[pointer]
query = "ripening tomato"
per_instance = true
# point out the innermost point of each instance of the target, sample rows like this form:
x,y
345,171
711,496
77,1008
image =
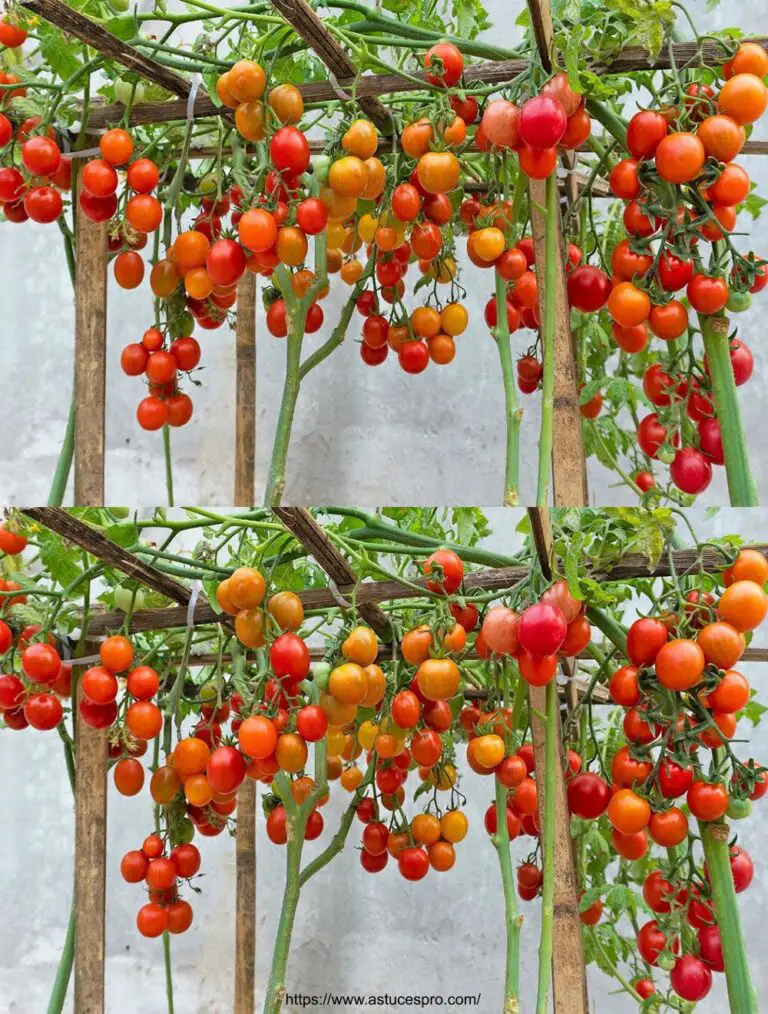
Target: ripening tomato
x,y
500,123
289,150
588,288
691,979
679,157
628,305
538,164
707,800
543,122
623,181
588,795
449,571
645,639
628,812
668,828
722,137
668,321
645,132
743,605
448,64
744,98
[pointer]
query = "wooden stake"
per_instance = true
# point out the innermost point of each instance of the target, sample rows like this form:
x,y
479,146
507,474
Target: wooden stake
x,y
90,863
569,467
313,537
90,359
245,392
245,899
568,970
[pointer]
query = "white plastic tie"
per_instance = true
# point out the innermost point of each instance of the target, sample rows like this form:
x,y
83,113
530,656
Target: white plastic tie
x,y
195,590
195,81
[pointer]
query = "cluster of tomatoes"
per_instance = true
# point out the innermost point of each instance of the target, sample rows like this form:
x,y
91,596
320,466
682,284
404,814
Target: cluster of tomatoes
x,y
196,284
33,178
681,693
682,188
165,912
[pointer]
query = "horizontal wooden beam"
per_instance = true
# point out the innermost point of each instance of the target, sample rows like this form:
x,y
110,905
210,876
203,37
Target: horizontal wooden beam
x,y
499,72
634,565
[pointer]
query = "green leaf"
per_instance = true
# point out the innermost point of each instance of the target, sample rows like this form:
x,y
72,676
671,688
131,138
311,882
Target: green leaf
x,y
58,557
57,51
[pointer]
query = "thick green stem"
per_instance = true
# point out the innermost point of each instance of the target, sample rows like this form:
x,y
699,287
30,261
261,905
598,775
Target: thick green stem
x,y
168,463
548,341
168,971
612,122
741,485
612,629
548,887
512,919
276,986
291,386
64,971
513,415
64,463
741,993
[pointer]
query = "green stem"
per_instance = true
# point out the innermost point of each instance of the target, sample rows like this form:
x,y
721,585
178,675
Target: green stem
x,y
64,463
741,485
612,122
168,463
741,993
276,986
548,887
548,341
512,919
296,313
64,971
168,970
512,413
612,629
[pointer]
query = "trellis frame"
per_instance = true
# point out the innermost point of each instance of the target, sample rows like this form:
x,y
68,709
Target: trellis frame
x,y
569,981
568,463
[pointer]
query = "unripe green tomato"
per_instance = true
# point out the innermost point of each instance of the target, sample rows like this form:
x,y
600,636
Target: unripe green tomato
x,y
321,672
123,597
183,325
738,809
738,302
666,455
666,962
177,808
209,183
124,89
183,832
321,165
120,6
120,512
208,691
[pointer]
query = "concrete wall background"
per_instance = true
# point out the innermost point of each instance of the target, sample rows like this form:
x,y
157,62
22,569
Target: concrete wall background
x,y
354,933
360,433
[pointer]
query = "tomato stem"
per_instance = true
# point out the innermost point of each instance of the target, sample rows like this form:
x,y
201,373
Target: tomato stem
x,y
64,463
168,463
512,919
741,486
741,992
548,838
548,340
513,413
64,970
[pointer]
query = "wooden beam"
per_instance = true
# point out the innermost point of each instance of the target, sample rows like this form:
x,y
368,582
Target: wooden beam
x,y
569,977
633,565
245,899
569,465
90,539
492,72
245,391
310,27
73,23
90,859
313,537
90,385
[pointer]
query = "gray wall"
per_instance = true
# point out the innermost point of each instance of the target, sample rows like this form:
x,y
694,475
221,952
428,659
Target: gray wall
x,y
353,933
360,433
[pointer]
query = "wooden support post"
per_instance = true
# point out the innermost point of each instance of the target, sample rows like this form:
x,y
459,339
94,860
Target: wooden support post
x,y
90,359
90,861
310,27
245,899
245,391
568,969
569,467
310,534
